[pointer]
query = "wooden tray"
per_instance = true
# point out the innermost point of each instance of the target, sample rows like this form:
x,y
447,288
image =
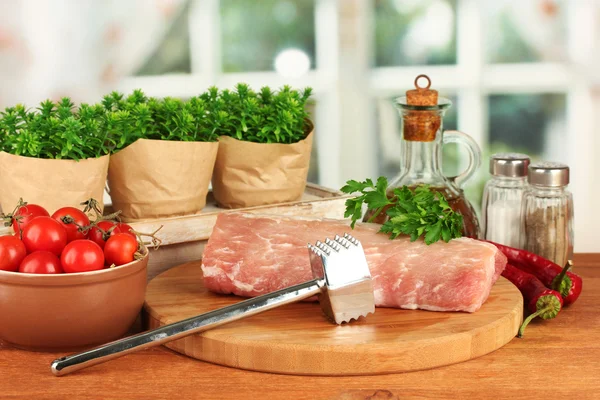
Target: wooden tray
x,y
317,201
297,339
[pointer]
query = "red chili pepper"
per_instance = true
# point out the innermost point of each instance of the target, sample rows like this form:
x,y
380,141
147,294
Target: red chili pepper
x,y
541,301
552,275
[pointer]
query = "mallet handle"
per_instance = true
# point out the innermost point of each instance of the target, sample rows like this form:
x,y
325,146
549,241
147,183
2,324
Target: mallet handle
x,y
178,330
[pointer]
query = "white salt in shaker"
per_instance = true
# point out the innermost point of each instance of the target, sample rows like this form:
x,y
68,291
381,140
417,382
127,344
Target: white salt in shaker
x,y
548,212
503,197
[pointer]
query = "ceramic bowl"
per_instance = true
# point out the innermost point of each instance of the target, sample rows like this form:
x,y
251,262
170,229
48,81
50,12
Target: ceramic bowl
x,y
70,311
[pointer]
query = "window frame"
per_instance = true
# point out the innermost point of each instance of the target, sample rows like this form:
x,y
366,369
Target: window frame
x,y
345,85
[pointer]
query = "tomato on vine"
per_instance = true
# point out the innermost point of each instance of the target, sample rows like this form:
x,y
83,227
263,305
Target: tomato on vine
x,y
100,233
26,213
82,256
105,229
73,220
41,262
122,227
44,234
12,252
120,249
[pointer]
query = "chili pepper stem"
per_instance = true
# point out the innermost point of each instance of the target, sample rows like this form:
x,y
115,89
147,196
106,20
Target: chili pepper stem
x,y
547,307
562,283
530,318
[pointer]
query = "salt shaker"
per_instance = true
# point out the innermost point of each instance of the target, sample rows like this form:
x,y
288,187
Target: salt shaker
x,y
502,199
547,213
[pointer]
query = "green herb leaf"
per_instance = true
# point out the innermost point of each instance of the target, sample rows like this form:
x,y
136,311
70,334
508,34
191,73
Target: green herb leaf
x,y
433,232
61,130
373,195
413,213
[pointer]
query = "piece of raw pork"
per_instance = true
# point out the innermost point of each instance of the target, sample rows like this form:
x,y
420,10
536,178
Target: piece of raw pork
x,y
250,255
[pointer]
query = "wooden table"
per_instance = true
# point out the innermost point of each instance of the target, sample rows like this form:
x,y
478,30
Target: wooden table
x,y
555,359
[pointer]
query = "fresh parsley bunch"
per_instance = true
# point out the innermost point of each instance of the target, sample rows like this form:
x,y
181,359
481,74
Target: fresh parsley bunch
x,y
54,131
418,213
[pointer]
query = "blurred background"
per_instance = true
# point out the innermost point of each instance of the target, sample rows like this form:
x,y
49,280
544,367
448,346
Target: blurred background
x,y
523,75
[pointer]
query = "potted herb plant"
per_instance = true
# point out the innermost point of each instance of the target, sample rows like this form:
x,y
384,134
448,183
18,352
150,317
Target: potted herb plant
x,y
54,156
166,157
264,146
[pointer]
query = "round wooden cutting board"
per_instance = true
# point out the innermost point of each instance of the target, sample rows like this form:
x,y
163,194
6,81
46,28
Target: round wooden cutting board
x,y
297,339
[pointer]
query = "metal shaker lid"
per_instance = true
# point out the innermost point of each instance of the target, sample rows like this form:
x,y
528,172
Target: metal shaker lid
x,y
551,174
512,165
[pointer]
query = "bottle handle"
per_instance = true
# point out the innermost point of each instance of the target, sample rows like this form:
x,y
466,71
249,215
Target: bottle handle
x,y
474,155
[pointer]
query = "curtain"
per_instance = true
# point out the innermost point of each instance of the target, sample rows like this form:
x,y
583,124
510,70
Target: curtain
x,y
76,48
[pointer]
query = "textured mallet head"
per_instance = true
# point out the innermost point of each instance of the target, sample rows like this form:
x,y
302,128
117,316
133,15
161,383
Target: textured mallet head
x,y
348,292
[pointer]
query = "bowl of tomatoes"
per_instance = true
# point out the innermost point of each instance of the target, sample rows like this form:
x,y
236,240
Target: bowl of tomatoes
x,y
67,280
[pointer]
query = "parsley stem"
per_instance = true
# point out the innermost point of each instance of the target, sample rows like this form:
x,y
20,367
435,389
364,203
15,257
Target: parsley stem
x,y
379,210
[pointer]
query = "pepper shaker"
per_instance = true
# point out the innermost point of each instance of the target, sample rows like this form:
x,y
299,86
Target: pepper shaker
x,y
503,197
547,213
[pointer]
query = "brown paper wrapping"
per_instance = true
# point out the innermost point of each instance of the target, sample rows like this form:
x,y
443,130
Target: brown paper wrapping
x,y
50,183
250,174
161,178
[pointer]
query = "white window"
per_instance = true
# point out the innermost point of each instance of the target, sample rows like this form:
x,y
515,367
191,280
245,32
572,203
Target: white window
x,y
521,75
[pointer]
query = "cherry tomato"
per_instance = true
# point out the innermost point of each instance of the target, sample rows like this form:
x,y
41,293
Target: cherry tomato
x,y
41,262
110,228
120,249
25,214
97,236
81,256
12,252
72,219
44,234
123,228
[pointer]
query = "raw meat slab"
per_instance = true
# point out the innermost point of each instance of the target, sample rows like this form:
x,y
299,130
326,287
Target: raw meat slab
x,y
250,255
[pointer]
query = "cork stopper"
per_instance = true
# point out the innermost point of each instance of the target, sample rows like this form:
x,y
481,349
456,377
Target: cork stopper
x,y
422,96
421,125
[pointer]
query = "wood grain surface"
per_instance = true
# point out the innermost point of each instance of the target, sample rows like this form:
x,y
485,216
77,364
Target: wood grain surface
x,y
297,339
558,359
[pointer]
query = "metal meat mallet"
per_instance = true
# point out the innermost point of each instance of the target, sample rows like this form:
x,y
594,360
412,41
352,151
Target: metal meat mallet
x,y
341,279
